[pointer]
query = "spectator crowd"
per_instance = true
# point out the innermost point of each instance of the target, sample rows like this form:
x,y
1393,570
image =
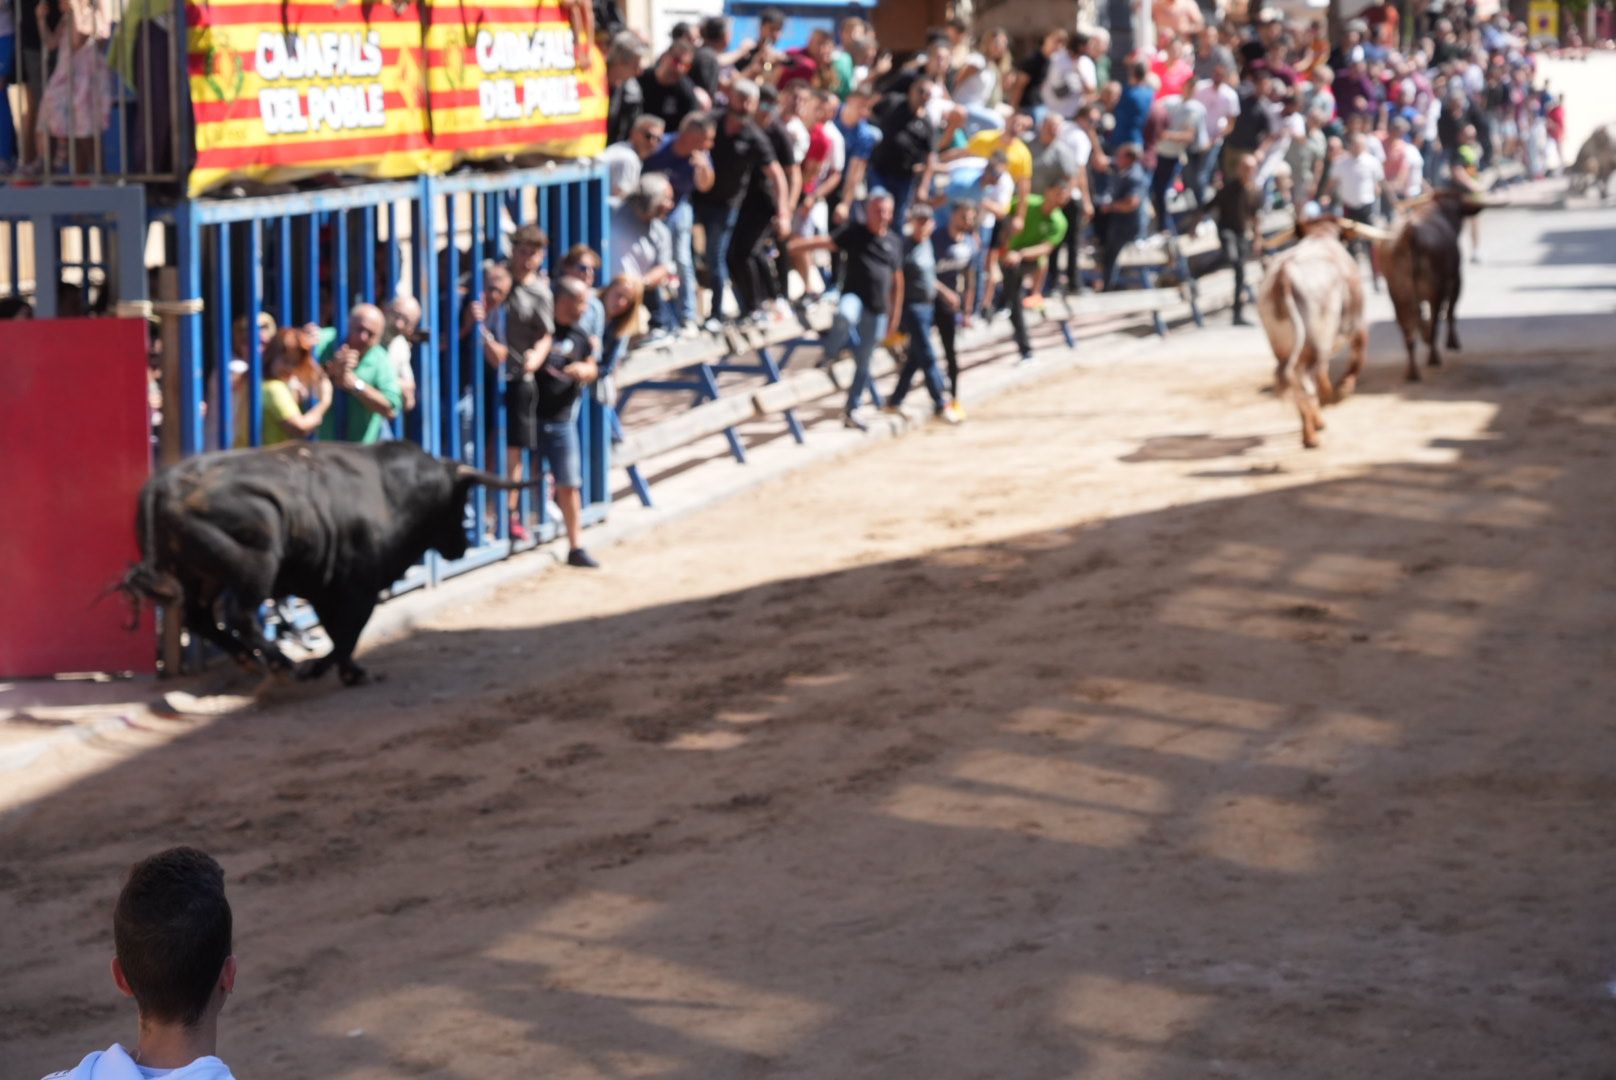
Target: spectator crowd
x,y
973,177
915,196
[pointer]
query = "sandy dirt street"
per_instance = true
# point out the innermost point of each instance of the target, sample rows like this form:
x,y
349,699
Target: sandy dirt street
x,y
1108,735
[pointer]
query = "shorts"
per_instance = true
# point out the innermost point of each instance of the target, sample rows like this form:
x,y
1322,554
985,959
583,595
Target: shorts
x,y
31,66
1363,215
996,238
558,444
522,414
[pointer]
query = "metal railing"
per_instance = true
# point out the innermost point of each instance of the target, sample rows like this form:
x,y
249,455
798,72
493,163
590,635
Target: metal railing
x,y
98,92
308,257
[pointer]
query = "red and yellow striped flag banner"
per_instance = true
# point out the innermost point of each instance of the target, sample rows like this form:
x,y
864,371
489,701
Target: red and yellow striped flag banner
x,y
504,81
287,89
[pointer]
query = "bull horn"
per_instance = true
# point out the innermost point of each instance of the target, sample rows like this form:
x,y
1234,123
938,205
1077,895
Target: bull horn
x,y
1368,232
1428,195
465,474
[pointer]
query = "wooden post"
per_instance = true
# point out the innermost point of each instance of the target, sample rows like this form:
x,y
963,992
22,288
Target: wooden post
x,y
168,436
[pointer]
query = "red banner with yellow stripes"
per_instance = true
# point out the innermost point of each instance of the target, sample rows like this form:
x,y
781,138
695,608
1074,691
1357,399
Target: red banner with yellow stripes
x,y
286,89
509,78
282,90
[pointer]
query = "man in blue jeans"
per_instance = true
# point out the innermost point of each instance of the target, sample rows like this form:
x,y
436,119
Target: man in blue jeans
x,y
569,367
684,160
871,291
925,302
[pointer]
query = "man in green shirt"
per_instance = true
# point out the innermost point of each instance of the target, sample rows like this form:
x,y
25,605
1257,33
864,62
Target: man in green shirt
x,y
1042,228
361,371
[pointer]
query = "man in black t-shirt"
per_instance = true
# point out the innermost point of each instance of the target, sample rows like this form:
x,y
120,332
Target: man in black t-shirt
x,y
1236,208
871,292
667,88
1255,128
907,143
567,369
742,155
625,63
704,68
764,215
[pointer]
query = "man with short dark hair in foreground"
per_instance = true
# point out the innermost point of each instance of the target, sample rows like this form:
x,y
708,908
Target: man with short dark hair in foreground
x,y
171,934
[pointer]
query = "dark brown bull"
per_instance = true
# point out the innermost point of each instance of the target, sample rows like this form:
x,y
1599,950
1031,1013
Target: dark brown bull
x,y
1596,162
1422,268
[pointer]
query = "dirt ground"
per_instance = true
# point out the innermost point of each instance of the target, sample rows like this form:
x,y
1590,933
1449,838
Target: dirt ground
x,y
1108,735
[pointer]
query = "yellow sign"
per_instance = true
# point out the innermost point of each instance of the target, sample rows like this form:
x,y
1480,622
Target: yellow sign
x,y
509,78
1543,17
282,91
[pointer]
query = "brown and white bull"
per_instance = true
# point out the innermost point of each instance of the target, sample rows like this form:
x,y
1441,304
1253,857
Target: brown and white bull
x,y
1596,162
1312,304
1422,268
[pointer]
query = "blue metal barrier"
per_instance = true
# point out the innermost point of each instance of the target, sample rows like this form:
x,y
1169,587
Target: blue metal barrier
x,y
309,257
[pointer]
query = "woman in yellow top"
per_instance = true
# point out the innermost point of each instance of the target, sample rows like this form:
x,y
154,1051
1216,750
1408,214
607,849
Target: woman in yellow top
x,y
288,367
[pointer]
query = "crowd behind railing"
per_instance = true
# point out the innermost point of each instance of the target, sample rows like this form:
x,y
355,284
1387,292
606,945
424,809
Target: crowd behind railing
x,y
748,180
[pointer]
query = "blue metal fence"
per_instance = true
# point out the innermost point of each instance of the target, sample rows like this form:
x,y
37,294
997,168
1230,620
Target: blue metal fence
x,y
308,257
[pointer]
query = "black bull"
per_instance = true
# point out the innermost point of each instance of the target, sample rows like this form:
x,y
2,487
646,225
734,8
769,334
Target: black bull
x,y
333,523
1423,272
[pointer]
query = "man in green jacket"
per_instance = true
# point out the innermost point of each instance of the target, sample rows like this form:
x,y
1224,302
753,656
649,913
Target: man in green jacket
x,y
361,371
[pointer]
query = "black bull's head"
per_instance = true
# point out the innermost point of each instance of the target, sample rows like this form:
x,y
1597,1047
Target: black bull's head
x,y
448,535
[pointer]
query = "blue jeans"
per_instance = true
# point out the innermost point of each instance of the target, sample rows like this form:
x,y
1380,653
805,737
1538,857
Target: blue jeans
x,y
899,187
1161,183
717,223
871,328
981,118
682,221
8,70
922,357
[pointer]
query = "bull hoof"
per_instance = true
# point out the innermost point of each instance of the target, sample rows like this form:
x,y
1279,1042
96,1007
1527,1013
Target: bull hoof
x,y
1435,361
1348,385
1412,375
1453,345
353,675
309,670
1309,444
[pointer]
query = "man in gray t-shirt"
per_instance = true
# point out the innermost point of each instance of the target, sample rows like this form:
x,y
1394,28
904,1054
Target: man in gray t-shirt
x,y
530,309
529,326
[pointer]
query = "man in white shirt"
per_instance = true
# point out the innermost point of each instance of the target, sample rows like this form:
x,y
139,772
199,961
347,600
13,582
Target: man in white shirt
x,y
1355,180
1217,96
1064,89
403,316
623,160
1186,129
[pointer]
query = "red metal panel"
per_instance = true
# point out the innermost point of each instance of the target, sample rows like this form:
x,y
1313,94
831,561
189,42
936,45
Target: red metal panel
x,y
74,450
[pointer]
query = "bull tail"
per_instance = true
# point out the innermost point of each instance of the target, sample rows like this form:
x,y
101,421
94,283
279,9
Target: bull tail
x,y
1291,377
145,580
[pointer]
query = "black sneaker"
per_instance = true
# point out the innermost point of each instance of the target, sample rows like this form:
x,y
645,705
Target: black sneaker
x,y
580,557
1239,320
853,420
